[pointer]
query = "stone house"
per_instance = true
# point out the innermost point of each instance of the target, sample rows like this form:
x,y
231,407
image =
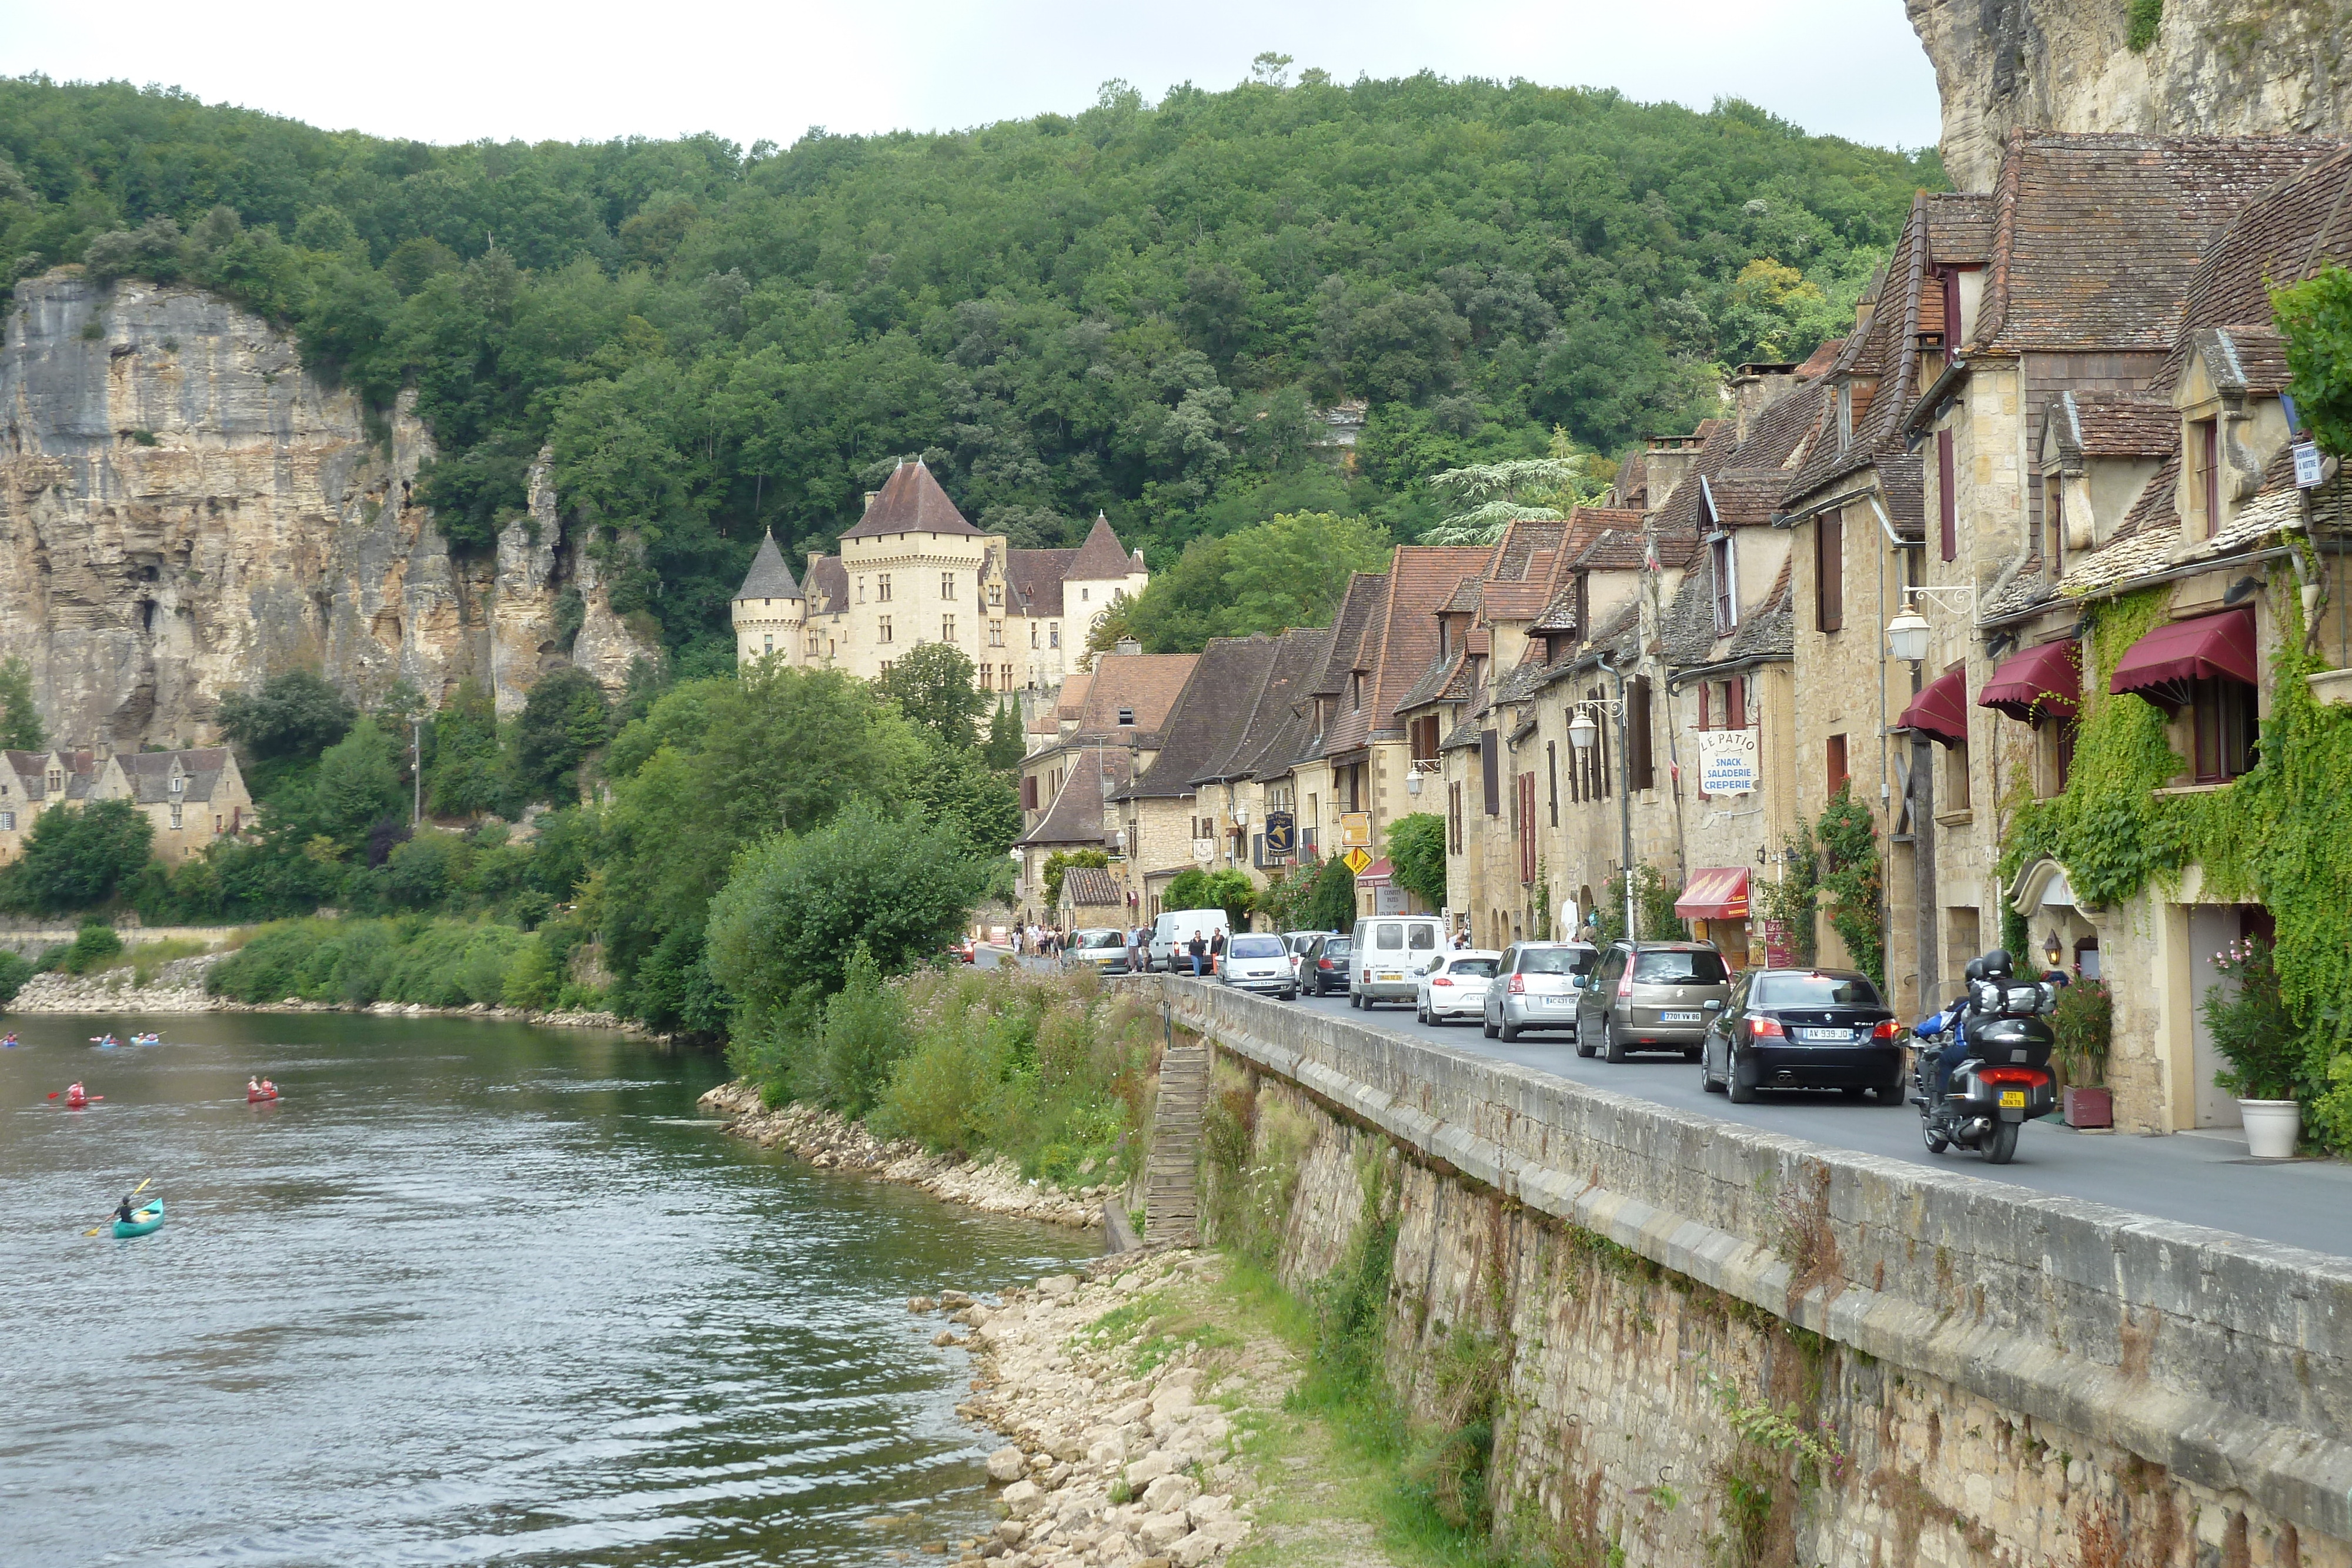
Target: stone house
x,y
1238,793
1076,817
1092,899
912,570
192,798
2179,490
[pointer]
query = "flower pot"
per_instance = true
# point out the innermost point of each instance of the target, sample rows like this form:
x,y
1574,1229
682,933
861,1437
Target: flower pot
x,y
2271,1128
2090,1108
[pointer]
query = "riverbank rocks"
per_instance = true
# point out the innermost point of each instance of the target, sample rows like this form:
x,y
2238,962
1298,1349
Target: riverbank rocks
x,y
1092,1421
830,1142
175,987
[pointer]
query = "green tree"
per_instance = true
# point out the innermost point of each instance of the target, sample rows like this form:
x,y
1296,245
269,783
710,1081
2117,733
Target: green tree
x,y
20,718
1006,745
1228,889
79,859
957,788
564,720
1331,905
933,686
1061,862
296,714
1416,845
2316,317
357,785
1292,570
464,772
797,907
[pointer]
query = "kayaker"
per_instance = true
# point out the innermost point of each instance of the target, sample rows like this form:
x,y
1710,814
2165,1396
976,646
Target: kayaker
x,y
252,1087
123,1214
268,1090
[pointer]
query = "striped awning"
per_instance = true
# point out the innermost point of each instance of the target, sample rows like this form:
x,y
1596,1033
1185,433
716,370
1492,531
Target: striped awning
x,y
1715,892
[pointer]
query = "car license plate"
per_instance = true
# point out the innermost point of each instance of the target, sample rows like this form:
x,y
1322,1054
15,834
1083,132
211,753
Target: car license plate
x,y
1559,1001
1678,1017
2013,1099
1839,1035
1391,974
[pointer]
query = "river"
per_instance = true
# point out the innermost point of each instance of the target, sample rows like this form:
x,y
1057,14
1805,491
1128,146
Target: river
x,y
470,1292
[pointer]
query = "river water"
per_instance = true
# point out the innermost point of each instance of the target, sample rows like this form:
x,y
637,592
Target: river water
x,y
470,1292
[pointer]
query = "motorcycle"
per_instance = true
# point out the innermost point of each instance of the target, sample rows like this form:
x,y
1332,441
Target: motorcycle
x,y
2004,1080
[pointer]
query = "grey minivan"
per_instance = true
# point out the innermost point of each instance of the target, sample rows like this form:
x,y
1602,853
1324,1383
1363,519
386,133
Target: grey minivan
x,y
1535,987
1651,995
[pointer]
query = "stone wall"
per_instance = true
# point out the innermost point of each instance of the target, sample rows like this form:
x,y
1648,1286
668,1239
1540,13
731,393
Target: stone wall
x,y
185,509
1706,1344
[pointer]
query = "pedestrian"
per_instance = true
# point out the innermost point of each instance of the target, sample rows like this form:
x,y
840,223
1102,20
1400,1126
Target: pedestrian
x,y
1216,950
1197,949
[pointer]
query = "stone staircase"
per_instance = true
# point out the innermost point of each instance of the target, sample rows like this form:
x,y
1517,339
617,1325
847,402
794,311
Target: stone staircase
x,y
1171,1191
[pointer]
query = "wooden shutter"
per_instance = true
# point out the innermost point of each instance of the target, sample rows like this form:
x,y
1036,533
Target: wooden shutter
x,y
1489,764
1638,721
1551,778
1734,702
1828,570
1029,792
1836,771
1527,829
1947,505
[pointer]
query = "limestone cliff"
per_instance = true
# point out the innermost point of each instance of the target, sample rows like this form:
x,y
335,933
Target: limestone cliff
x,y
186,510
2216,67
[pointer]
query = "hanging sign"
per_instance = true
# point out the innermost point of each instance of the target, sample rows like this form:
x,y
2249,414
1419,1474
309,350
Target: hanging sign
x,y
1355,830
1727,761
2306,465
1281,834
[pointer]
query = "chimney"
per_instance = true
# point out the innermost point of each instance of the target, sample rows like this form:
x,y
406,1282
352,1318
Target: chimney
x,y
1667,463
1753,387
869,500
100,753
1127,645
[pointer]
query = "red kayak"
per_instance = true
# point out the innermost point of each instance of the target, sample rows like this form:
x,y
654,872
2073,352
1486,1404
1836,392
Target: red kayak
x,y
76,1101
252,1098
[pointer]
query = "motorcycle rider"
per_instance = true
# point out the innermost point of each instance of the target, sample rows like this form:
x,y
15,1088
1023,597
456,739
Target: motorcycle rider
x,y
1994,968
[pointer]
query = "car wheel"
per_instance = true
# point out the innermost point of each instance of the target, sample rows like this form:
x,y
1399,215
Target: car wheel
x,y
1584,1046
1485,1025
1706,1082
1856,1093
1355,1000
1891,1093
1612,1048
1420,1013
1742,1087
1506,1030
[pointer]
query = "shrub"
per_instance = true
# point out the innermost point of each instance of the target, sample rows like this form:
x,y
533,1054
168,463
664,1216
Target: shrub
x,y
2254,1027
74,860
2084,1023
15,971
93,944
531,977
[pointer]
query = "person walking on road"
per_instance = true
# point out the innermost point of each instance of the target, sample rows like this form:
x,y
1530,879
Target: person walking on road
x,y
1197,949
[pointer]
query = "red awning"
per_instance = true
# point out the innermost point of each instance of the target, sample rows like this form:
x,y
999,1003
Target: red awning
x,y
2036,683
2160,666
1715,892
1941,709
1379,873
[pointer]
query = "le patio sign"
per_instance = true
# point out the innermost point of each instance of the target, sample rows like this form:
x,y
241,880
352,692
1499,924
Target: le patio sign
x,y
1727,761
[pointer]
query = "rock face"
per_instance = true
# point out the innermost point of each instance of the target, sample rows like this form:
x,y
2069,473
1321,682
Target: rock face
x,y
184,510
2217,67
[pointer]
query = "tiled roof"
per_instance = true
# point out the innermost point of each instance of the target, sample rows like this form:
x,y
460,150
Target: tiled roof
x,y
1516,601
31,770
1102,559
1035,577
2151,548
2154,509
1820,362
2108,424
2098,239
911,502
1075,816
2303,222
828,585
1686,632
1514,553
1091,887
1770,631
1903,490
1072,699
1444,672
1960,224
1420,579
1146,685
1208,717
2242,359
1367,591
149,773
1271,735
769,578
1464,599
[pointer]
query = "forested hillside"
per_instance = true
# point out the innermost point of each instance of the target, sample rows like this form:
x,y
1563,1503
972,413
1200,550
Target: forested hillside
x,y
1137,309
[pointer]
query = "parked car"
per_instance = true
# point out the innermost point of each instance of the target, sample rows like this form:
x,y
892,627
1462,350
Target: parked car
x,y
1323,968
1173,930
1255,962
1388,949
1298,941
1536,986
962,950
1651,996
1802,1028
1105,949
1453,984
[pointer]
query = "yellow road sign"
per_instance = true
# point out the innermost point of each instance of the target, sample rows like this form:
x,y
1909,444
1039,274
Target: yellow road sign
x,y
1355,860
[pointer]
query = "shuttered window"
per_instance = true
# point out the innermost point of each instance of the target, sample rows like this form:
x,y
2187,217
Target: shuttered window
x,y
1829,571
1029,793
1734,703
1527,829
1489,770
1947,505
1836,760
1640,755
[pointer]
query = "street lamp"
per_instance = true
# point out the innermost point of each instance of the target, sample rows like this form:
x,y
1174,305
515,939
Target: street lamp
x,y
1413,779
1581,730
1907,634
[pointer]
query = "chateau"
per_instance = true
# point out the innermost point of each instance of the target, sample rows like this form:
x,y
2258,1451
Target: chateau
x,y
914,571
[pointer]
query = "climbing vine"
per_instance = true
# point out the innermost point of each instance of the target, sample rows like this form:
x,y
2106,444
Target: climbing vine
x,y
2281,834
1850,875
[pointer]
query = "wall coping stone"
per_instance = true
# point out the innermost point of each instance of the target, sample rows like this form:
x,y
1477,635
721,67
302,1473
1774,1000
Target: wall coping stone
x,y
2225,1359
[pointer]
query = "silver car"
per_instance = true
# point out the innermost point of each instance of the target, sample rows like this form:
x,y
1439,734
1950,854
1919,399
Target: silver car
x,y
1536,986
1259,963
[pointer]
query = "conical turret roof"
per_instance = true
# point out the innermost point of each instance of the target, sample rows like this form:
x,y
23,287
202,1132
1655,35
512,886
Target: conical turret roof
x,y
911,502
769,578
1102,559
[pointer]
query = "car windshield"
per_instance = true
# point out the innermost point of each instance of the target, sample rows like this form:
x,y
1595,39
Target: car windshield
x,y
1815,991
1338,947
1102,940
1471,966
1692,967
1256,947
1554,961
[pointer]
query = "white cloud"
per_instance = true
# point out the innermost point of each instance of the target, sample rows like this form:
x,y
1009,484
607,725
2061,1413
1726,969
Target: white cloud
x,y
440,70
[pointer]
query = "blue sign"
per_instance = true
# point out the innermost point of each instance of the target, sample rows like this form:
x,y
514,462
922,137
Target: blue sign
x,y
1281,834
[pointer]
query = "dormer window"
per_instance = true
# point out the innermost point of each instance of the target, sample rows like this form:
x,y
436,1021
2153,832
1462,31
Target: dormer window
x,y
1845,414
179,785
1127,717
1355,689
2204,466
56,780
1726,584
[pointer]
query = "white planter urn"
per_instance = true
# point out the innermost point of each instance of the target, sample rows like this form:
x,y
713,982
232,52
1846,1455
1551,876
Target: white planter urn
x,y
2271,1128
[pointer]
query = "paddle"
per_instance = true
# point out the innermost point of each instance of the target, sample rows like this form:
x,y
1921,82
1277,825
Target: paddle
x,y
55,1093
134,1192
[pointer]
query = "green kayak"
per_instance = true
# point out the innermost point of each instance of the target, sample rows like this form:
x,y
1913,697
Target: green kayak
x,y
147,1219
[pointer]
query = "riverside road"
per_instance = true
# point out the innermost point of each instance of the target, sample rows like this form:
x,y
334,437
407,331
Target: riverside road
x,y
2200,1178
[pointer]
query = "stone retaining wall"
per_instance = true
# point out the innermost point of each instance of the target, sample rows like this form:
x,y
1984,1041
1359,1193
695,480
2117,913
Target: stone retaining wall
x,y
2009,1378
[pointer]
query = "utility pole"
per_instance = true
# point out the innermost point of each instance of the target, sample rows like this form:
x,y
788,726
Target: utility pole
x,y
1625,803
417,768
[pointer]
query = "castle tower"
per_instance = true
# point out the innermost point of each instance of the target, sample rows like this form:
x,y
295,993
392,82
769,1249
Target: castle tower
x,y
769,610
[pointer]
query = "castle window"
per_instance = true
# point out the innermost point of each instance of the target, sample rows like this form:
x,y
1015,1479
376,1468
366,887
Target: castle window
x,y
177,809
996,634
947,585
947,628
881,588
1053,635
987,676
996,593
771,643
7,821
1085,593
885,636
179,785
1033,634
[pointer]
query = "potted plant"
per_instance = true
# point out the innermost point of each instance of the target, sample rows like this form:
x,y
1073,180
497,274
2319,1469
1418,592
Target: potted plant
x,y
2084,1023
2252,1028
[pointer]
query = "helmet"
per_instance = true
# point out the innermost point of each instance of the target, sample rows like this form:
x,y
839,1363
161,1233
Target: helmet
x,y
1997,964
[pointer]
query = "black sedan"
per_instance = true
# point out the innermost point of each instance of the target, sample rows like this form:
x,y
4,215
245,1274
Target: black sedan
x,y
1323,968
1802,1028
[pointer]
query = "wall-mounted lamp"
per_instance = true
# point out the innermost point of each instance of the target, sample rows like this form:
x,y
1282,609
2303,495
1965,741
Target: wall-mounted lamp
x,y
2052,949
1907,634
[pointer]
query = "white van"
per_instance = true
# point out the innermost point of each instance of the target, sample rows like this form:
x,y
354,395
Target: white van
x,y
1174,929
1390,951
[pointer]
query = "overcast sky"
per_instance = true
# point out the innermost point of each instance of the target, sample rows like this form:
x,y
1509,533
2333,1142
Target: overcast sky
x,y
455,70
